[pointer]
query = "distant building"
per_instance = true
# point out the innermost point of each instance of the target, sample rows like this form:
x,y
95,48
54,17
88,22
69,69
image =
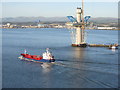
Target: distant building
x,y
107,28
8,24
42,25
70,23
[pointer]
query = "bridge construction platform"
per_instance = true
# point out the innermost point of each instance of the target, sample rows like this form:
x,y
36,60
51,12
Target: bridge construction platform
x,y
102,45
94,45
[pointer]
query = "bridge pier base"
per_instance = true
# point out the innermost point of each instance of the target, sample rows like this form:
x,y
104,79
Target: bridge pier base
x,y
79,45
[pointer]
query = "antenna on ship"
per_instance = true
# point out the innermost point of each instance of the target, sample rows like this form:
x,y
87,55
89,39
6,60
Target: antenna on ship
x,y
25,52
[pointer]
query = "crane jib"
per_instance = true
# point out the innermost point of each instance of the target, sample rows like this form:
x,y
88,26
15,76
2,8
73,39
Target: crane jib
x,y
72,19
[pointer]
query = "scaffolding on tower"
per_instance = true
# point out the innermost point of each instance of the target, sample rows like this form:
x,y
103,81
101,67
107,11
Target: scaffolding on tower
x,y
78,35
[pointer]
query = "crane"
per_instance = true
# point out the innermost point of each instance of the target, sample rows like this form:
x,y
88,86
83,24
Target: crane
x,y
73,20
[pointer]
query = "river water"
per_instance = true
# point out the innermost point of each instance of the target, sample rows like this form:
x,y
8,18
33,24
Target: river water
x,y
75,67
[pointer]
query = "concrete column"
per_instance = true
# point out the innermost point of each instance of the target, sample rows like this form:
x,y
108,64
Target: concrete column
x,y
78,35
79,11
78,29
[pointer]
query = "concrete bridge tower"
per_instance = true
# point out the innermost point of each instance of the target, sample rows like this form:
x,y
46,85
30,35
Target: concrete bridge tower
x,y
78,28
79,37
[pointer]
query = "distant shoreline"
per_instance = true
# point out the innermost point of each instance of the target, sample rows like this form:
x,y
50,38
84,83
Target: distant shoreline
x,y
62,28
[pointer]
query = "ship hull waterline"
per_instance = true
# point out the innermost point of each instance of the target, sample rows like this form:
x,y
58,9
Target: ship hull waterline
x,y
39,61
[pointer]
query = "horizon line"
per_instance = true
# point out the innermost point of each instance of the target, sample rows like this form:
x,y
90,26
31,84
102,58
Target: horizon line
x,y
54,16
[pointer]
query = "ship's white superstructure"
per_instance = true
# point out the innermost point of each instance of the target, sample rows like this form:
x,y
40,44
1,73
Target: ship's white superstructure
x,y
47,55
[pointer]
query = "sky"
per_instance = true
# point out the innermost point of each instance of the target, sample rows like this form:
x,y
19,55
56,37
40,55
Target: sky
x,y
58,9
59,0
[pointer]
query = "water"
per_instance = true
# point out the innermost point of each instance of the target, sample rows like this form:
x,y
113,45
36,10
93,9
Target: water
x,y
75,67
